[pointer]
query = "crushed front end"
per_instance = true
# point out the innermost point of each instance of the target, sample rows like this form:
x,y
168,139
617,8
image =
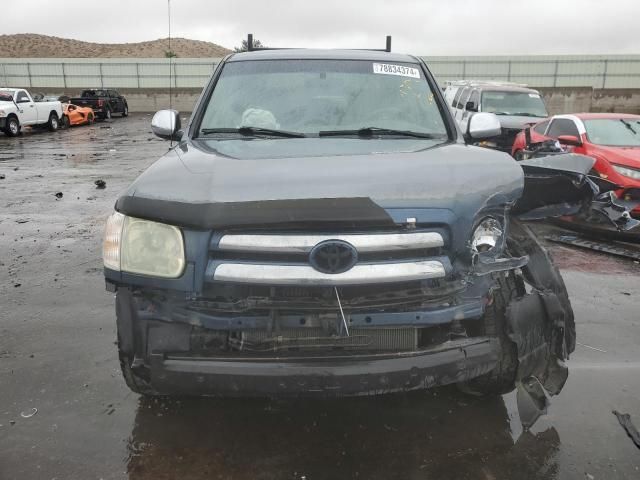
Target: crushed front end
x,y
273,313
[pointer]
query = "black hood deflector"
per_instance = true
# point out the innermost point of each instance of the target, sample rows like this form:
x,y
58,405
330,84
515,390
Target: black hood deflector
x,y
339,212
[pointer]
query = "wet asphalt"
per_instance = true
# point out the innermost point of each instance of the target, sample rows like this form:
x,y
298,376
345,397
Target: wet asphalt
x,y
57,355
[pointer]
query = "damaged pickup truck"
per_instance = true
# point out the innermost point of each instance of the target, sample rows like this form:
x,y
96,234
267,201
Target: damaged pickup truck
x,y
322,227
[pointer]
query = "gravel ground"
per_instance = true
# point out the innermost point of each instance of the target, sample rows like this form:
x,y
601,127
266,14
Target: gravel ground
x,y
57,354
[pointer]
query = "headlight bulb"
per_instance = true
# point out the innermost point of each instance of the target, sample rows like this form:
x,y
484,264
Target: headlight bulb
x,y
486,236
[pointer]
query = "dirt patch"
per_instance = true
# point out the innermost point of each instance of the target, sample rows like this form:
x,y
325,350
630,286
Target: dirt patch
x,y
30,45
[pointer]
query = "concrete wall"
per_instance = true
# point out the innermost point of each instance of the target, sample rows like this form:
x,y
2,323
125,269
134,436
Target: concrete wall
x,y
585,99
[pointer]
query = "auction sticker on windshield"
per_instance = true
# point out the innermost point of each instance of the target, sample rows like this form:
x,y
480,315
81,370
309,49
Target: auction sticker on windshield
x,y
401,70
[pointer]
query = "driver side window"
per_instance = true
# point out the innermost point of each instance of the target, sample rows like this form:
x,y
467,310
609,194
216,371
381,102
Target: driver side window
x,y
22,97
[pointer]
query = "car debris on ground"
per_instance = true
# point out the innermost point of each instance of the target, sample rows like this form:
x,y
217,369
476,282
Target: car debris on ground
x,y
629,427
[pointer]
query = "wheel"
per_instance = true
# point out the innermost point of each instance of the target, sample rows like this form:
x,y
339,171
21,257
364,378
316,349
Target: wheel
x,y
12,128
518,155
66,123
134,380
90,119
502,378
107,114
125,112
53,123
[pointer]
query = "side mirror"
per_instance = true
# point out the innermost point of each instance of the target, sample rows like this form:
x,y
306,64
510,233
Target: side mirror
x,y
166,125
570,140
483,125
471,107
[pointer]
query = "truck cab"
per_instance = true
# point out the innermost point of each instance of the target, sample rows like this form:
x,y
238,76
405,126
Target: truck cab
x,y
515,105
18,109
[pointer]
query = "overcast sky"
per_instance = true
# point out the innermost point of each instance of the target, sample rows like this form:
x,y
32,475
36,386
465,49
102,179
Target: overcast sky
x,y
423,27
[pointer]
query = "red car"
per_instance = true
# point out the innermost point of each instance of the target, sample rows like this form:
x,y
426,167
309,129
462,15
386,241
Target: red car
x,y
613,139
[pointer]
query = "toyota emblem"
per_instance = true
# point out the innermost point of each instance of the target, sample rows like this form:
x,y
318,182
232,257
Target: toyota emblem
x,y
333,256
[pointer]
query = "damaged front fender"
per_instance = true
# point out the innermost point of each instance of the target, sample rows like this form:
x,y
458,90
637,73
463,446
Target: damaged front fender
x,y
541,325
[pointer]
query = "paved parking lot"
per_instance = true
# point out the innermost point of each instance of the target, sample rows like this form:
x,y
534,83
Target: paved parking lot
x,y
57,355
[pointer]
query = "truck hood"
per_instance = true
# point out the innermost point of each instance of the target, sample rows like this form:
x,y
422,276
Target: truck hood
x,y
196,185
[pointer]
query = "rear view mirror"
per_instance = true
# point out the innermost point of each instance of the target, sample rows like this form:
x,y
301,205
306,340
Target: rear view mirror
x,y
166,125
570,140
482,126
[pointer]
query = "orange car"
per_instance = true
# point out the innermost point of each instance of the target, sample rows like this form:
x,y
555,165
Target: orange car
x,y
76,115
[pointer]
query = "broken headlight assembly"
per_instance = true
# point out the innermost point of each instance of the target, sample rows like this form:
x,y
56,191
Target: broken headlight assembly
x,y
487,237
143,247
627,171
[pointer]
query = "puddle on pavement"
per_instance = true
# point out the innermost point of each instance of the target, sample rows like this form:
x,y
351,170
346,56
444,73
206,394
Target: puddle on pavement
x,y
421,435
86,144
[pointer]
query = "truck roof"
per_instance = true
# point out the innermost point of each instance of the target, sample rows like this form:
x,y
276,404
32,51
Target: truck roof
x,y
318,54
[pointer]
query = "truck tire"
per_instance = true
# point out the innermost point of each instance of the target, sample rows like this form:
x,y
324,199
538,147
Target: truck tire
x,y
53,122
12,129
502,378
125,111
90,119
66,123
107,113
134,380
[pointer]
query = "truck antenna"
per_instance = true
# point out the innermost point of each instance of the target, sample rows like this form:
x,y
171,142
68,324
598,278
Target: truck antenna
x,y
170,55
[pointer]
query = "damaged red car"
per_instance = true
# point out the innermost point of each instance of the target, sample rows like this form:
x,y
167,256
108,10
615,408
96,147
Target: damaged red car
x,y
612,139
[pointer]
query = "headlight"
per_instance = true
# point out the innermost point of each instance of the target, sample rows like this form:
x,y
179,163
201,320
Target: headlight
x,y
627,172
112,241
140,246
486,236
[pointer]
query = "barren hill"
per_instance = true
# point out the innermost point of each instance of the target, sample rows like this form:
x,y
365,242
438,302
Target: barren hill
x,y
30,45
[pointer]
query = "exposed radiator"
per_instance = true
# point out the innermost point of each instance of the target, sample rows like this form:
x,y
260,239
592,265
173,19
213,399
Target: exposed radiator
x,y
395,339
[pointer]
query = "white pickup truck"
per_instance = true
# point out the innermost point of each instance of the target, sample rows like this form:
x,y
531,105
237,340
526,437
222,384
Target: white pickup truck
x,y
18,109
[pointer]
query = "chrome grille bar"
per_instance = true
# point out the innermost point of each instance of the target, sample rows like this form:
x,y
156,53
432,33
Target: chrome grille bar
x,y
360,274
300,243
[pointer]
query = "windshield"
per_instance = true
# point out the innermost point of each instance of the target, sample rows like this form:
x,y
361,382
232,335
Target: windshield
x,y
513,103
614,132
313,96
94,93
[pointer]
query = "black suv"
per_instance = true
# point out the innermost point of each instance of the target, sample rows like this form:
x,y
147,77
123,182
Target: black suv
x,y
322,227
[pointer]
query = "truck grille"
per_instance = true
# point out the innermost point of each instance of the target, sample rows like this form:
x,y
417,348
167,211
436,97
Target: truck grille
x,y
287,259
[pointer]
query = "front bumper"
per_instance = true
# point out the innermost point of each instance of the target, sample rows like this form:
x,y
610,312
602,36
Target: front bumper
x,y
453,362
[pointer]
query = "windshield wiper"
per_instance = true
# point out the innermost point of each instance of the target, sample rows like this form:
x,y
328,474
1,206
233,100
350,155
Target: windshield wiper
x,y
373,131
254,131
628,125
518,114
